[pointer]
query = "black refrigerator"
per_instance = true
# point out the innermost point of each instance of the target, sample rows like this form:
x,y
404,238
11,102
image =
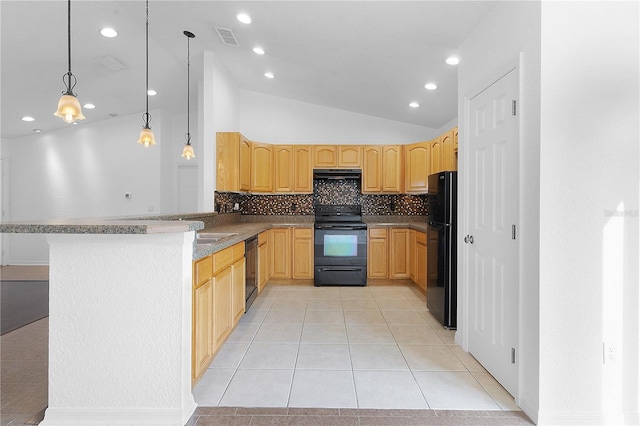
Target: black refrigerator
x,y
441,247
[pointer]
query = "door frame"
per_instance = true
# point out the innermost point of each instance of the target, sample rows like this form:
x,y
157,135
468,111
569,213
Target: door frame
x,y
464,193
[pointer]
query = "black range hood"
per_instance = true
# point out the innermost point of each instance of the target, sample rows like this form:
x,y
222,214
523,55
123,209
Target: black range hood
x,y
337,174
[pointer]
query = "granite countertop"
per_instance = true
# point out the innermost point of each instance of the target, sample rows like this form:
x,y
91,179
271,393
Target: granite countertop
x,y
100,226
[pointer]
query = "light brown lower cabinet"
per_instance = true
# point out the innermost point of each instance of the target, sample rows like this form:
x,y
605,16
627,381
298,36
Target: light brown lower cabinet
x,y
218,303
263,259
397,253
302,253
378,253
420,251
399,260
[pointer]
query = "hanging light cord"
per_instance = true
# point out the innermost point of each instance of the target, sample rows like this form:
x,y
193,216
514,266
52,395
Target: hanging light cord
x,y
68,75
147,117
188,136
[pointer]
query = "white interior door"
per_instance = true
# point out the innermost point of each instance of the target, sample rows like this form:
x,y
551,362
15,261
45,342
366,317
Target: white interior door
x,y
492,214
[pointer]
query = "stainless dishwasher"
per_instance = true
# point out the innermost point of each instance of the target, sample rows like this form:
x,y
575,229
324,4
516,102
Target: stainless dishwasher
x,y
251,271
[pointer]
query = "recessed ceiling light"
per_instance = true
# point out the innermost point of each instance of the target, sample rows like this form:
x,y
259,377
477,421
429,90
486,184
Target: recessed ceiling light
x,y
452,60
27,118
89,106
269,75
414,105
151,92
430,86
244,18
109,32
37,130
259,50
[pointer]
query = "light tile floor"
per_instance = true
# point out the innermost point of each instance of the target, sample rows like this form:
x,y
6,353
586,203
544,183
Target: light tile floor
x,y
346,347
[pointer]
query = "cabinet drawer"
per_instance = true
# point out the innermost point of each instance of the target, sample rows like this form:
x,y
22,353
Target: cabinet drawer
x,y
302,233
222,259
238,250
421,238
378,233
263,237
202,270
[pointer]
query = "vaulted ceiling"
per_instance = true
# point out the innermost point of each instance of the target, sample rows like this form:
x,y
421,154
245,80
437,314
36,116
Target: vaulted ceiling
x,y
368,57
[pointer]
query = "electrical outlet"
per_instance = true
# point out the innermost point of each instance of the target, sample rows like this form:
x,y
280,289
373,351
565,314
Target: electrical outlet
x,y
128,195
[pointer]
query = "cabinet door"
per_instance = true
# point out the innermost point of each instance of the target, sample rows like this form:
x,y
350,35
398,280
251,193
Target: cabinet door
x,y
281,266
421,261
372,170
222,318
303,175
245,164
302,253
436,156
400,266
412,255
284,168
349,156
378,253
263,266
448,151
227,161
202,351
417,167
455,141
392,168
325,156
237,290
262,159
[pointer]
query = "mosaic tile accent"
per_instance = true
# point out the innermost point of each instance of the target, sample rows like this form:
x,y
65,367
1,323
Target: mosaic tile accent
x,y
333,192
394,204
325,192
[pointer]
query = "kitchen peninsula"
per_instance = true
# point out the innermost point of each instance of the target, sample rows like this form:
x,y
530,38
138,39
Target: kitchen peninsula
x,y
119,320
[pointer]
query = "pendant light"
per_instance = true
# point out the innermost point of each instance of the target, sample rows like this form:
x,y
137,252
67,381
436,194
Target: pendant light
x,y
146,135
187,152
68,106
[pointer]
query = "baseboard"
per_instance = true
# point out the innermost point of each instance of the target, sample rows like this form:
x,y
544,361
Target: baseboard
x,y
587,418
117,416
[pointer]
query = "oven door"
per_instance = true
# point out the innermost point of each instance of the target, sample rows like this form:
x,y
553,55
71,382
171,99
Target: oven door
x,y
340,254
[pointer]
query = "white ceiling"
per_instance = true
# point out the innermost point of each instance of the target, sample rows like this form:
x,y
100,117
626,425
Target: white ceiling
x,y
369,57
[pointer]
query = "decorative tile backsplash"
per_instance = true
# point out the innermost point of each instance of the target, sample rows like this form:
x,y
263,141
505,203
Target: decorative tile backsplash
x,y
324,192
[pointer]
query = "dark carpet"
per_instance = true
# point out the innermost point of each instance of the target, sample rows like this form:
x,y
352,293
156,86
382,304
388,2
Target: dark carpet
x,y
22,302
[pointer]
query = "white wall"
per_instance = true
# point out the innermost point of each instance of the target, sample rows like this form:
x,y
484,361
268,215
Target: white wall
x,y
276,120
589,213
509,29
82,171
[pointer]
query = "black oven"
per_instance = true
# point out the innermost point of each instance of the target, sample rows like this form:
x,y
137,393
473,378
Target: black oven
x,y
340,246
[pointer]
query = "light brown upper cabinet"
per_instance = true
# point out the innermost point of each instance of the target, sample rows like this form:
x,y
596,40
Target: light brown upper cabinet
x,y
448,151
417,162
292,171
233,168
303,172
325,156
382,171
337,156
284,168
436,155
349,156
262,162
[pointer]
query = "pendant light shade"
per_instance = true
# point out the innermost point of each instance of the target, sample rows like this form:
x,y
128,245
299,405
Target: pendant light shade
x,y
187,151
146,135
68,106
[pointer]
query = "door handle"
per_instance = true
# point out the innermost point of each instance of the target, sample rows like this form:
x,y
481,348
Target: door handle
x,y
468,239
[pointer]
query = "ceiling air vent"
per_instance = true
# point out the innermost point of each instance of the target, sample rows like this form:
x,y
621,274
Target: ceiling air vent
x,y
227,36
